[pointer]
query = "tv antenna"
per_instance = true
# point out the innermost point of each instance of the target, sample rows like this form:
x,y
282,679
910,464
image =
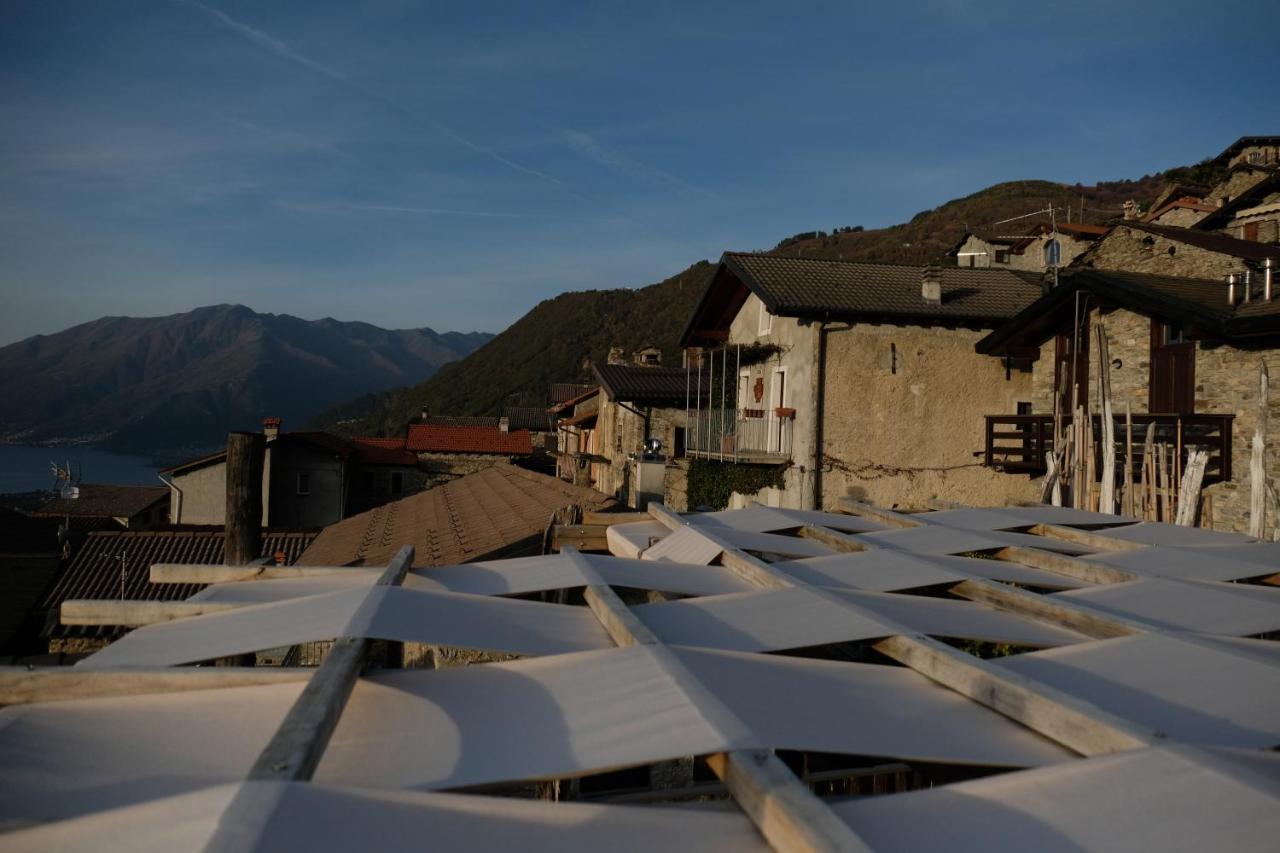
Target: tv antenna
x,y
67,482
1053,229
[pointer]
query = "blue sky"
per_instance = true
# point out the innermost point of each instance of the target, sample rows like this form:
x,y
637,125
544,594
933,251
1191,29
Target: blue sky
x,y
451,164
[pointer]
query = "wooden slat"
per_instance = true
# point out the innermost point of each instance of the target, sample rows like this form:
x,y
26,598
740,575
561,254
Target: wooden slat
x,y
20,685
134,613
295,750
1051,609
195,573
886,517
832,539
584,537
611,518
659,512
753,570
785,811
1082,570
783,808
1074,723
1088,538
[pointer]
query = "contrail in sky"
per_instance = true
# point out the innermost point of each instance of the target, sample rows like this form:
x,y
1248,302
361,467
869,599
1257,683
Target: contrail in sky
x,y
326,207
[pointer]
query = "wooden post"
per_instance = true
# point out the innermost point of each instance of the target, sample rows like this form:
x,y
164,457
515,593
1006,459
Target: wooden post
x,y
1128,508
1258,460
243,537
1189,494
1148,472
1107,493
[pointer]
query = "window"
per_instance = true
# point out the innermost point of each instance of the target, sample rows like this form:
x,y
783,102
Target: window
x,y
766,321
1002,257
1172,334
1249,231
1052,253
397,482
304,484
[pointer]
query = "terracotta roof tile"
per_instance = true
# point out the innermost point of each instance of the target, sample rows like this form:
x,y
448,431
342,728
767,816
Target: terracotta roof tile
x,y
493,512
431,438
382,451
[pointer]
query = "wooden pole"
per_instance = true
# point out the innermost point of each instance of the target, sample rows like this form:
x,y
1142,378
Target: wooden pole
x,y
1258,460
1128,460
1107,492
1148,472
243,536
1189,494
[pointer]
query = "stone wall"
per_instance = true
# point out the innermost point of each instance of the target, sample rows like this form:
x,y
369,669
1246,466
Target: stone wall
x,y
904,417
620,432
1132,250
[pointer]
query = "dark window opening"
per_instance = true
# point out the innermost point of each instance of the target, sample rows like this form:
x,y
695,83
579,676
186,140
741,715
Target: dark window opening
x,y
304,484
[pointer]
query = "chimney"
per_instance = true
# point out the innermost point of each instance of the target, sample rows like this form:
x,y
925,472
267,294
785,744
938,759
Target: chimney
x,y
504,424
1130,209
617,355
931,285
1267,266
426,414
1231,288
271,428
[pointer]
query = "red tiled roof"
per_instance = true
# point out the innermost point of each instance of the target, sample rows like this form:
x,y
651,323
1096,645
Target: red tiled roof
x,y
430,438
382,451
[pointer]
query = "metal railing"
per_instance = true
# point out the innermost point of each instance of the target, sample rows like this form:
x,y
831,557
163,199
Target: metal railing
x,y
739,435
1018,443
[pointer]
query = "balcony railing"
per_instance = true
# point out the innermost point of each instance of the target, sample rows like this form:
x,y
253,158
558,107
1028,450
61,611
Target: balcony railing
x,y
1018,443
740,435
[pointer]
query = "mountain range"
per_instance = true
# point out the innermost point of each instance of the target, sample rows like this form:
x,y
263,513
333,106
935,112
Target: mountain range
x,y
175,385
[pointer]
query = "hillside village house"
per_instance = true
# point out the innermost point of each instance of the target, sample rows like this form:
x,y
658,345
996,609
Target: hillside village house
x,y
448,447
863,377
309,479
1184,353
1034,250
577,446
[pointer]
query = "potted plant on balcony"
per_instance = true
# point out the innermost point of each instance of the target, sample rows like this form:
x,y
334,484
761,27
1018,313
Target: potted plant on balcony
x,y
784,411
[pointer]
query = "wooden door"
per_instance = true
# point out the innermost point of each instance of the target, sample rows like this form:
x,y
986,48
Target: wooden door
x,y
1173,370
1065,372
778,399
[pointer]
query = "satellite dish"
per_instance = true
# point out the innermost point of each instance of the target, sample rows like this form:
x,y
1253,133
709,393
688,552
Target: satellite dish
x,y
69,492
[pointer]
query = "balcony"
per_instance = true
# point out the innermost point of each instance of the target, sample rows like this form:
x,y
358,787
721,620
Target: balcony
x,y
753,436
1018,443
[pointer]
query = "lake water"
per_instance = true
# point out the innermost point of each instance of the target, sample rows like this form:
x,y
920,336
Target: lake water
x,y
25,469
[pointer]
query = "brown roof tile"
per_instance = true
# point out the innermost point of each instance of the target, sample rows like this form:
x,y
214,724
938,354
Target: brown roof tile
x,y
106,501
635,383
475,517
430,438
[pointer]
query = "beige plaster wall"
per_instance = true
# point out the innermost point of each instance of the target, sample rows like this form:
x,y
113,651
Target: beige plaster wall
x,y
900,430
204,496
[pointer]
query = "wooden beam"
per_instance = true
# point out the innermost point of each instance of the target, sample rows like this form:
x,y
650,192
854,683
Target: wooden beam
x,y
1044,608
134,613
1258,458
1061,564
242,536
659,512
20,685
754,571
1088,538
295,750
832,539
584,537
204,574
611,518
887,517
783,808
1074,723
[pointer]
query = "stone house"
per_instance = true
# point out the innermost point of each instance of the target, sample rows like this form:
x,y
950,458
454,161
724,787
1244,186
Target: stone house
x,y
860,378
1253,214
1166,250
1181,355
309,479
577,445
1034,250
451,447
106,506
1253,151
639,402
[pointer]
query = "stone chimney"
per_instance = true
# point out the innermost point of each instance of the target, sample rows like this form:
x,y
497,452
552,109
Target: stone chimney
x,y
504,424
271,428
617,355
426,414
931,285
1130,209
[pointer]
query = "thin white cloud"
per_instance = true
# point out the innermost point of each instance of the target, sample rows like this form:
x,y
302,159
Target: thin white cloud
x,y
592,149
282,50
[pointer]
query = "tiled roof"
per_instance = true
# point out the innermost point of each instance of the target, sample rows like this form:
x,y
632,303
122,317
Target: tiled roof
x,y
23,534
1186,202
629,382
95,572
533,418
1245,250
382,451
481,515
564,391
106,501
800,287
429,438
1197,303
460,421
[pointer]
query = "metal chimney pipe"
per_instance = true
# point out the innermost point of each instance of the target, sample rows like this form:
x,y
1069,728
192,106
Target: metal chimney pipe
x,y
1246,278
1267,266
1231,289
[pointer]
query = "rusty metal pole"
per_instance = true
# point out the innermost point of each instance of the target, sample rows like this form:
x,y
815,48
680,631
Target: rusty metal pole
x,y
243,537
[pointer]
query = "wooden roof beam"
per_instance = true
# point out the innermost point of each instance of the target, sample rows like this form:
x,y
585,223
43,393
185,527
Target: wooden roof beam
x,y
20,685
887,517
132,614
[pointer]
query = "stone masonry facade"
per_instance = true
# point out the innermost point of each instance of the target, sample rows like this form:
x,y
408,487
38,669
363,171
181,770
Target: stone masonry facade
x,y
1132,250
